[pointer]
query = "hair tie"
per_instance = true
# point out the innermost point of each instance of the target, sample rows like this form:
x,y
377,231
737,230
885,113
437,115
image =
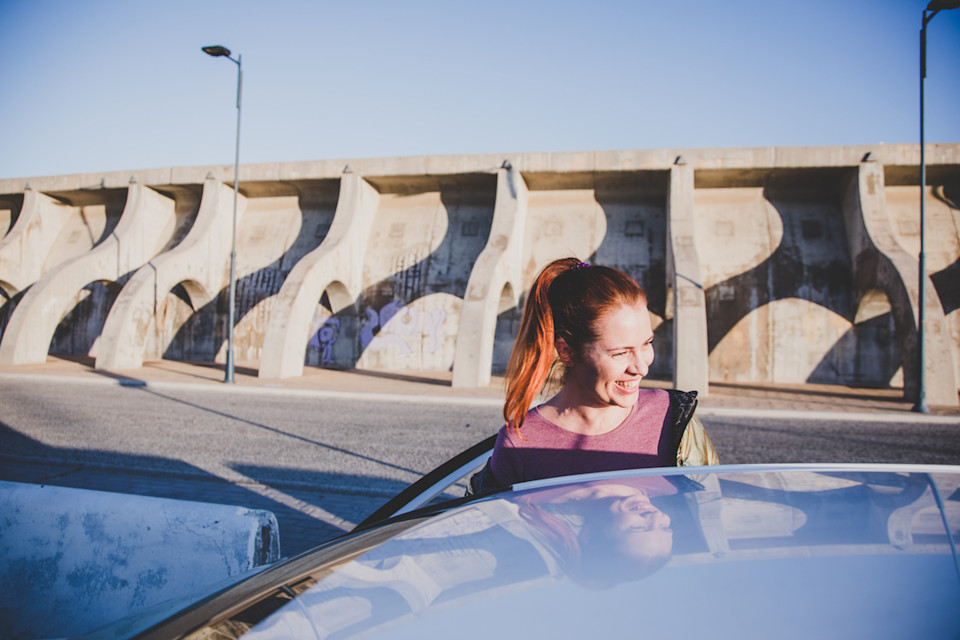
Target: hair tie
x,y
580,265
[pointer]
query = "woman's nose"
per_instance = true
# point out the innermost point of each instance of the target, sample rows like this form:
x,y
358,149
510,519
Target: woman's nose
x,y
639,365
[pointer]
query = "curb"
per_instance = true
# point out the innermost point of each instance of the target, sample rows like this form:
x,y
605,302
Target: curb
x,y
366,396
827,416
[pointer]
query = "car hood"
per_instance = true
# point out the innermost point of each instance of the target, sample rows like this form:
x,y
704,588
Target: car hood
x,y
728,552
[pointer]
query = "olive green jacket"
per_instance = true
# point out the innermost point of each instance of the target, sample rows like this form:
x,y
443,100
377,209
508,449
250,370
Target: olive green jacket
x,y
693,445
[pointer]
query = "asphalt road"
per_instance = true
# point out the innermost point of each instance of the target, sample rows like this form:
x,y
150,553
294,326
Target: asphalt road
x,y
322,464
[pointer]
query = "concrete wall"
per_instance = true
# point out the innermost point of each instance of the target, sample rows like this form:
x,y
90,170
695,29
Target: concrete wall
x,y
778,280
765,265
79,559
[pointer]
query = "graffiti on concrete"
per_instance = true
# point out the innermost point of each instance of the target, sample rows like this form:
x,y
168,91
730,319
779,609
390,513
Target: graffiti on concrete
x,y
399,325
324,338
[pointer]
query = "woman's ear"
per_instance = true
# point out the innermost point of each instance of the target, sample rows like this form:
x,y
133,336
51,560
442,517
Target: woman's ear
x,y
564,352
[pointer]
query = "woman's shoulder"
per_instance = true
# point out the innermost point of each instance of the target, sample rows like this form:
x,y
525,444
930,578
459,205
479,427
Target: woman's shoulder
x,y
534,429
678,402
651,403
653,394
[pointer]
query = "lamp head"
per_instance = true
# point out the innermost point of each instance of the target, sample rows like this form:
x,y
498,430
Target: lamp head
x,y
216,51
939,5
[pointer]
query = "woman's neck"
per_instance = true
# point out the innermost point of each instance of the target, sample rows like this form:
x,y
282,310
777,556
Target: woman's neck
x,y
571,412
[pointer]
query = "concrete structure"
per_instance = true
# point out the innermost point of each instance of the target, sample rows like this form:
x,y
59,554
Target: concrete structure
x,y
772,265
80,559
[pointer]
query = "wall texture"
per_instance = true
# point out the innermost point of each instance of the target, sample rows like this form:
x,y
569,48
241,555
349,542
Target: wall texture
x,y
762,265
78,560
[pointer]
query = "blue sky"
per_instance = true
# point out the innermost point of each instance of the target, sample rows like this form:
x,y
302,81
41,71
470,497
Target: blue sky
x,y
120,85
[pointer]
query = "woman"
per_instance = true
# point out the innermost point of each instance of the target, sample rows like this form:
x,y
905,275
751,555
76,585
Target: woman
x,y
594,321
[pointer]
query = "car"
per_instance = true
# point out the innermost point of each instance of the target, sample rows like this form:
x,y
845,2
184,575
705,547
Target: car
x,y
738,551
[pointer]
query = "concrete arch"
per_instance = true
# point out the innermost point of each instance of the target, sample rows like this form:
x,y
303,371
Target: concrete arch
x,y
198,263
89,310
494,283
198,293
24,250
873,302
880,262
145,227
865,352
339,296
508,297
8,302
336,266
792,336
334,315
137,311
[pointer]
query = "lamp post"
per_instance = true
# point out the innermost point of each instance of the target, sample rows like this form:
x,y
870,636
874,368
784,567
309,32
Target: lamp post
x,y
932,9
218,51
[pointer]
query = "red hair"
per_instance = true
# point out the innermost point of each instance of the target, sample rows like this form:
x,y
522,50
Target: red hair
x,y
564,302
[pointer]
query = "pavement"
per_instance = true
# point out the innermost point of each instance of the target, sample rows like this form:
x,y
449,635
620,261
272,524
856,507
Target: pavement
x,y
813,400
306,515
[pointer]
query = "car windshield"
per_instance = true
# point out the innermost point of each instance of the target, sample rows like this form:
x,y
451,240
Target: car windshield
x,y
794,553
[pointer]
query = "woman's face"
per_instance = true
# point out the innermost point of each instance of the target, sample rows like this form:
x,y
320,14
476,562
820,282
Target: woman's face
x,y
623,522
638,527
610,369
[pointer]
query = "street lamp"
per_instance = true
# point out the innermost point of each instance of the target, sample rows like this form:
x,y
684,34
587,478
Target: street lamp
x,y
932,9
218,51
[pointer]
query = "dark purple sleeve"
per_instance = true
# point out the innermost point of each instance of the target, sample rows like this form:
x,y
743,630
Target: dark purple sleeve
x,y
504,463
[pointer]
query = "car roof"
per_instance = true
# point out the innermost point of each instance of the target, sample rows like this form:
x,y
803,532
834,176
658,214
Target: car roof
x,y
753,550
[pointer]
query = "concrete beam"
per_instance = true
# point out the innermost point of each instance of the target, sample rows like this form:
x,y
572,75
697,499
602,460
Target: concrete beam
x,y
146,226
495,283
880,262
335,266
690,353
590,161
200,262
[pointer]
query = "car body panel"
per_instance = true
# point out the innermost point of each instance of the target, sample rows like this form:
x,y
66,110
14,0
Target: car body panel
x,y
777,550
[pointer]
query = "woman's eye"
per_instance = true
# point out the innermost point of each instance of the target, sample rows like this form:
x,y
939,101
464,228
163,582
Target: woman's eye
x,y
619,354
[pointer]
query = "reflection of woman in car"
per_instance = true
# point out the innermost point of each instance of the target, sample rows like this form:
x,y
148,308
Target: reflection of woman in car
x,y
603,532
594,321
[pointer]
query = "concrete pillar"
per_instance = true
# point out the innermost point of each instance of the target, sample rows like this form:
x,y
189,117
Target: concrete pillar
x,y
335,266
200,262
25,249
690,353
495,282
145,227
880,262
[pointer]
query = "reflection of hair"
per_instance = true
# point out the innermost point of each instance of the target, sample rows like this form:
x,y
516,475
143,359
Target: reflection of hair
x,y
564,302
552,529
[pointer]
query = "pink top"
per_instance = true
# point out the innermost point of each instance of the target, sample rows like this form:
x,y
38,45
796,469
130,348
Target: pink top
x,y
547,450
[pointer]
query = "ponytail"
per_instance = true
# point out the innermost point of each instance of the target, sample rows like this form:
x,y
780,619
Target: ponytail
x,y
565,300
533,352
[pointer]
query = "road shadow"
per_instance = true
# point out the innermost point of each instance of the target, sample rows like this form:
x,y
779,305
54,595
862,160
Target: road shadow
x,y
307,511
280,432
